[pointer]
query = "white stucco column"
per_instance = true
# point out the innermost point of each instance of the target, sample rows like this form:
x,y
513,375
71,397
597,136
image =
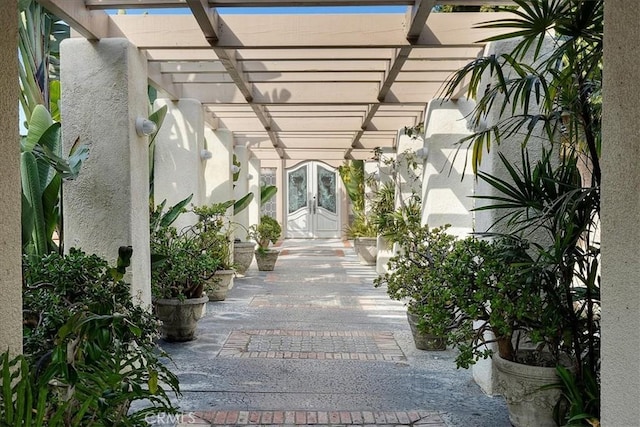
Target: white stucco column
x,y
620,213
254,187
445,194
240,190
218,185
178,167
10,238
104,91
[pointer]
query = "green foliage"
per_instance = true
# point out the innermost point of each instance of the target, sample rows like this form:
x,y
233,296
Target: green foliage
x,y
352,174
214,232
42,172
561,92
360,226
91,377
55,287
242,203
40,34
414,276
267,192
267,231
580,402
181,266
382,206
89,348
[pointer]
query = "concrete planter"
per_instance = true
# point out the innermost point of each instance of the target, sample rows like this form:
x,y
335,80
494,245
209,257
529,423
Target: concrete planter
x,y
520,386
424,341
266,259
243,255
366,249
179,318
219,287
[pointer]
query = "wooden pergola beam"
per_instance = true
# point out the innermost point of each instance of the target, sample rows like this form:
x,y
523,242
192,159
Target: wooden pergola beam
x,y
90,24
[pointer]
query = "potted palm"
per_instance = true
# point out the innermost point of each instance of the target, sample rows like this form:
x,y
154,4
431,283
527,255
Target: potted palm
x,y
266,232
179,274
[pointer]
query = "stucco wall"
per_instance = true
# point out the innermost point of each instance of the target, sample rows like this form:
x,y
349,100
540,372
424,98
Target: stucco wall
x,y
10,239
620,217
104,91
448,179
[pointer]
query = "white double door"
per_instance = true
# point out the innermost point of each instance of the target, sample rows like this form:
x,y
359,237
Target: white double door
x,y
313,205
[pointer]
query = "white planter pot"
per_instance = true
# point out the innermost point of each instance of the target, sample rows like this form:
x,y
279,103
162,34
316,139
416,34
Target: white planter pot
x,y
520,386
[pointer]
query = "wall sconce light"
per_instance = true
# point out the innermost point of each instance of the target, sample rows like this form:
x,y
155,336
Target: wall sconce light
x,y
145,127
206,154
249,176
235,169
422,152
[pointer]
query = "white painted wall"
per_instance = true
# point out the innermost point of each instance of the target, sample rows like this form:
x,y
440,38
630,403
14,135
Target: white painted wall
x,y
254,187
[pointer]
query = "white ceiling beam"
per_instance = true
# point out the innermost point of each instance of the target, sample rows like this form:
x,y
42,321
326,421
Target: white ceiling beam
x,y
162,81
302,31
92,25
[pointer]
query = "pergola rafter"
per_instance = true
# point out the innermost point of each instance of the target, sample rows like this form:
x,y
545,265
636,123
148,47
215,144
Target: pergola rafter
x,y
336,85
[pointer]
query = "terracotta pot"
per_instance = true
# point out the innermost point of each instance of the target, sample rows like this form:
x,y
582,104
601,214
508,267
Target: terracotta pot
x,y
422,340
520,386
366,249
266,259
243,255
179,318
219,286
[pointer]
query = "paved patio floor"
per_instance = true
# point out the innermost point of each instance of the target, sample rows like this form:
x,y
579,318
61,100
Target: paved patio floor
x,y
314,343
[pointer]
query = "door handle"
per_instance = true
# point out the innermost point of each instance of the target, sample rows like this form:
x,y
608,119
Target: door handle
x,y
314,205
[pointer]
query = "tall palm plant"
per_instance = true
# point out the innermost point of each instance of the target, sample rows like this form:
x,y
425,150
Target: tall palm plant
x,y
557,90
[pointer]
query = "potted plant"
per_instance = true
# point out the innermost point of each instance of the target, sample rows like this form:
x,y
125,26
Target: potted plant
x,y
360,229
266,232
364,236
414,277
214,232
181,268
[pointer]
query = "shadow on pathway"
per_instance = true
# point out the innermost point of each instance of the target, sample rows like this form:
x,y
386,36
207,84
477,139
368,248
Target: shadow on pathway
x,y
314,343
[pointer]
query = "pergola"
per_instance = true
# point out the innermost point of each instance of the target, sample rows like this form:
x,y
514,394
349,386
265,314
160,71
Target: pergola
x,y
295,86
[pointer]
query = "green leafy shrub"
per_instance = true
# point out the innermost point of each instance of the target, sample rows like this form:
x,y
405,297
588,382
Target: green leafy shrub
x,y
266,232
415,277
55,287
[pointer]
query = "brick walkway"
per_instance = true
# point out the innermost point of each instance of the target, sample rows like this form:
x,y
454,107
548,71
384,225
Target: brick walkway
x,y
313,418
305,344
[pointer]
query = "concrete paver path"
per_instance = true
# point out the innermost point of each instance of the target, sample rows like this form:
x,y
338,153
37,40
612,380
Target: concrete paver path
x,y
314,343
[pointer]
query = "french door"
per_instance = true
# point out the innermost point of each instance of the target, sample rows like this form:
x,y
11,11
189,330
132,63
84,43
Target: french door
x,y
313,205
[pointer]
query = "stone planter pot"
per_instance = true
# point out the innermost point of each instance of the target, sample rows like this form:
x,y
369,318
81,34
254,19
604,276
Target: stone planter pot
x,y
266,259
366,249
179,318
520,386
422,340
218,288
243,256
